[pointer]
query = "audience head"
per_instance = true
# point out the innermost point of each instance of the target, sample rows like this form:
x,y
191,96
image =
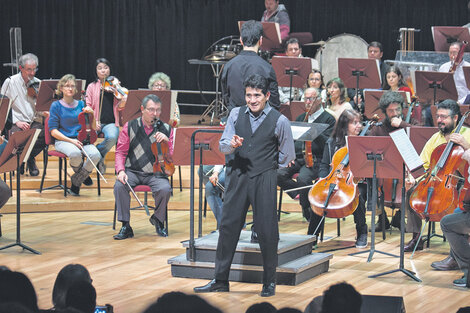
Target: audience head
x,y
67,276
9,307
289,310
464,310
159,81
178,302
16,287
293,48
103,68
250,33
81,295
340,298
262,307
375,50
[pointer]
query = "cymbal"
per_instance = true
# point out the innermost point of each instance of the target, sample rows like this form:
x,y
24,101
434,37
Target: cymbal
x,y
220,56
318,43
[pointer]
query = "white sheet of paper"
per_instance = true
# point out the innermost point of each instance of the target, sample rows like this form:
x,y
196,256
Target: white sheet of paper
x,y
406,149
298,131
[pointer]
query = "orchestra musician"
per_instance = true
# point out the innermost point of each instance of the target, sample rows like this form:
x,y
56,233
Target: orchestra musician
x,y
5,193
336,98
245,64
348,124
214,189
448,115
277,13
161,81
134,165
257,140
316,114
391,104
375,51
106,108
22,89
315,80
394,80
459,78
64,127
293,50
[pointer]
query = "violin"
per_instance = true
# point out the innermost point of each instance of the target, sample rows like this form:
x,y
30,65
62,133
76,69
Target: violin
x,y
336,195
436,194
163,160
119,91
87,135
33,88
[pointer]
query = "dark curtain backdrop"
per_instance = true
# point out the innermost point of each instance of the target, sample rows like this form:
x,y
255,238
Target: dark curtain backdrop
x,y
140,37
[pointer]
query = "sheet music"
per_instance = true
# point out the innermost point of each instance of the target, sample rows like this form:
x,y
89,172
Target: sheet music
x,y
406,149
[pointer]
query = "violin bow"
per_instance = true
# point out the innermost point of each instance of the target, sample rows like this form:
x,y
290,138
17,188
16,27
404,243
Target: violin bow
x,y
97,170
133,193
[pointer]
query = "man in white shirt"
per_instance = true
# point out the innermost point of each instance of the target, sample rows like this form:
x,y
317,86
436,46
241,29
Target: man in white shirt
x,y
459,78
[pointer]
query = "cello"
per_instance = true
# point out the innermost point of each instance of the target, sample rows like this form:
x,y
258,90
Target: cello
x,y
436,194
336,195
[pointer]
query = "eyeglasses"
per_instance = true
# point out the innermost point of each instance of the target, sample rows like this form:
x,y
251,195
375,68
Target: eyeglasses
x,y
69,86
153,111
159,86
31,70
441,116
311,99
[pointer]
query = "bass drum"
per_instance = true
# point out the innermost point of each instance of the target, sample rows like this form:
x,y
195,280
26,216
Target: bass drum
x,y
339,46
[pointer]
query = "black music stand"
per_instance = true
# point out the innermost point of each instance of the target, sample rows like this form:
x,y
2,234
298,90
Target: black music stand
x,y
371,102
291,71
435,85
443,36
359,73
46,94
403,143
134,101
293,110
374,157
20,145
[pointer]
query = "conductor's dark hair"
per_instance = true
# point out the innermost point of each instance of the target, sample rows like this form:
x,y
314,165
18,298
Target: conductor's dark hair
x,y
340,298
390,97
451,105
152,97
256,81
376,44
251,32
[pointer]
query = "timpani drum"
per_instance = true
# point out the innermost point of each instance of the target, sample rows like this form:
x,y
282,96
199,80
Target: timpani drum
x,y
339,46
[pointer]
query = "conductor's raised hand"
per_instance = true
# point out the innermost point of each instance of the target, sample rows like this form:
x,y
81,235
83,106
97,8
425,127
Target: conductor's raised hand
x,y
236,141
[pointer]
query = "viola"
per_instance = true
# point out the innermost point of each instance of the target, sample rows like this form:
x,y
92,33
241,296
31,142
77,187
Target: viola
x,y
119,91
87,135
436,194
308,155
336,195
33,88
163,160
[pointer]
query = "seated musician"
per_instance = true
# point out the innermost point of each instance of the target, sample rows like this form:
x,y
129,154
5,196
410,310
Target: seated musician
x,y
161,81
349,124
293,50
448,116
24,115
106,109
456,229
277,13
214,179
391,104
317,114
315,80
5,193
336,98
64,127
134,165
459,78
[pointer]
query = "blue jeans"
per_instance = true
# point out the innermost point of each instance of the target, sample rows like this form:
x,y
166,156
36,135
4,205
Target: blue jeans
x,y
214,197
75,155
111,133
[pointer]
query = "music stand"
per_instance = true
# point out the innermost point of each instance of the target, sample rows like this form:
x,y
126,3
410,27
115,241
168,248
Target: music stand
x,y
46,94
373,157
411,160
371,102
134,101
5,105
20,145
291,71
271,35
437,86
293,110
359,73
443,36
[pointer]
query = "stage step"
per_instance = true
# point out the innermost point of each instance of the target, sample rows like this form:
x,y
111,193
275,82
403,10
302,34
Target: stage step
x,y
297,263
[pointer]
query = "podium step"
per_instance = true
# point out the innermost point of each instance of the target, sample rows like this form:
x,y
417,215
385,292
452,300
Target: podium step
x,y
296,262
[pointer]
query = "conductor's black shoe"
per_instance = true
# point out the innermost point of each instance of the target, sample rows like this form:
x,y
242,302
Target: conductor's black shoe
x,y
74,190
378,225
396,220
213,286
159,227
88,181
254,237
268,290
33,169
124,233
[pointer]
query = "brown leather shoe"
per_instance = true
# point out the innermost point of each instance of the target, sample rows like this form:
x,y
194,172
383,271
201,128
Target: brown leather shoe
x,y
409,247
448,264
